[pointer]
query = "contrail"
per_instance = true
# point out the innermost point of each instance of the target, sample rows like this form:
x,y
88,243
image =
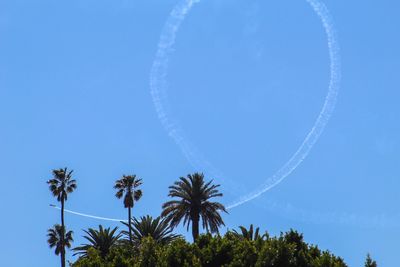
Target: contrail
x,y
329,105
89,216
159,86
377,221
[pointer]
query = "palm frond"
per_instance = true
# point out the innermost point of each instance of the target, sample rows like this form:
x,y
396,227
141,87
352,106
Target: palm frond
x,y
102,240
157,228
54,238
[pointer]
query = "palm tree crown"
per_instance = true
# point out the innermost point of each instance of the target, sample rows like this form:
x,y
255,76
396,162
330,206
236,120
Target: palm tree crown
x,y
62,184
193,203
102,240
249,234
57,240
157,228
127,187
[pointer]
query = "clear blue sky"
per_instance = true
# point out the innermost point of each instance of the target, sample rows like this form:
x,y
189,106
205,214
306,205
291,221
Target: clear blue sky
x,y
247,81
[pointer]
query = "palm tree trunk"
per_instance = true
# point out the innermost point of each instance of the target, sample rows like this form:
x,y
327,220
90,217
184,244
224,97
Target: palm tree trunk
x,y
63,234
62,260
195,227
130,226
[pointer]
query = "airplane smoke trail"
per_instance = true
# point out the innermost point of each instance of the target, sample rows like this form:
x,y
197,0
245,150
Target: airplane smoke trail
x,y
323,118
90,216
159,86
289,211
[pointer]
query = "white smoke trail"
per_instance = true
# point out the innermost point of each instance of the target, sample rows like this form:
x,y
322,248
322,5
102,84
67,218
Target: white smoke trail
x,y
323,118
300,215
90,216
159,86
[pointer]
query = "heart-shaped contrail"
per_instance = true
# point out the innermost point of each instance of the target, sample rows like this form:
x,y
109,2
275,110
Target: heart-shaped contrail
x,y
159,86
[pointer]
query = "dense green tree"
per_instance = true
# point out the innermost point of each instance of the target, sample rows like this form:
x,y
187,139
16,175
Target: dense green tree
x,y
148,253
58,238
276,253
91,259
301,255
101,240
60,186
127,187
245,253
180,253
193,203
369,262
146,226
213,251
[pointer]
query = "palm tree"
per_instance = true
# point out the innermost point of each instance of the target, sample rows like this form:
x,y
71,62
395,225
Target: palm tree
x,y
193,195
61,185
102,240
157,228
127,188
249,234
57,239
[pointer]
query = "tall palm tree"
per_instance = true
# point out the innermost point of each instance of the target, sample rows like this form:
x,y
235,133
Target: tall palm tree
x,y
102,240
59,240
157,228
127,187
61,185
193,202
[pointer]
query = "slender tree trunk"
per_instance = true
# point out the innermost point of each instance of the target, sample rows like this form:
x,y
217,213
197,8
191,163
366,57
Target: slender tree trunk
x,y
195,227
130,226
63,234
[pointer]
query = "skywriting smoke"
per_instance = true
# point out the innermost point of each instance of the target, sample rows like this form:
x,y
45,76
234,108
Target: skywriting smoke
x,y
89,216
159,86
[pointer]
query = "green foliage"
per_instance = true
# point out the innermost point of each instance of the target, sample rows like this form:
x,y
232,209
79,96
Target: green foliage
x,y
276,252
148,253
245,253
91,259
157,228
153,244
327,260
215,251
179,253
230,250
249,234
57,240
101,240
369,262
127,188
62,184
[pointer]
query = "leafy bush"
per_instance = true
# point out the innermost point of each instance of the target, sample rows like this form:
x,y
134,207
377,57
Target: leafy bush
x,y
231,250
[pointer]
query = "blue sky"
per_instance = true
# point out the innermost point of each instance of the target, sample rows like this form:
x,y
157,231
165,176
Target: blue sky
x,y
247,80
